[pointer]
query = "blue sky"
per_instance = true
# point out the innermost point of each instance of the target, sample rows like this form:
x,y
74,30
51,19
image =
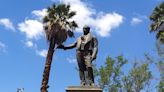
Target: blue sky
x,y
121,27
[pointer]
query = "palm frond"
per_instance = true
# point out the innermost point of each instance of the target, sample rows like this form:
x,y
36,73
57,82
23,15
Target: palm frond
x,y
71,14
70,33
160,36
157,12
74,24
157,18
45,19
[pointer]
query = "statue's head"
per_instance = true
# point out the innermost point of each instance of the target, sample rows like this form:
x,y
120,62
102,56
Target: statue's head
x,y
86,30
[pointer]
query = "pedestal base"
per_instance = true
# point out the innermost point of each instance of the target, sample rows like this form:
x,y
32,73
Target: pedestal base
x,y
83,89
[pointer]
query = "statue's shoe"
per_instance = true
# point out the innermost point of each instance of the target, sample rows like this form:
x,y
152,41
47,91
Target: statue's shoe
x,y
92,84
82,84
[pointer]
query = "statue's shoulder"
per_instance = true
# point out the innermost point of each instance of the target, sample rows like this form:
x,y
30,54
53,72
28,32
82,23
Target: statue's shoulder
x,y
94,37
94,40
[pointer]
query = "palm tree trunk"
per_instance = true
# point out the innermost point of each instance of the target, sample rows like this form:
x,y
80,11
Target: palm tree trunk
x,y
47,69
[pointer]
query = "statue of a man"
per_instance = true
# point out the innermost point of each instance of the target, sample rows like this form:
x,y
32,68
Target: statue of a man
x,y
86,51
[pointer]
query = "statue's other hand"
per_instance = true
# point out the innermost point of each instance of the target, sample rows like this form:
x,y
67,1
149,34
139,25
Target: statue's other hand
x,y
93,58
60,47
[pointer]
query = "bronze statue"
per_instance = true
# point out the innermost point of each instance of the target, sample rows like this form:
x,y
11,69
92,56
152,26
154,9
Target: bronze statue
x,y
86,51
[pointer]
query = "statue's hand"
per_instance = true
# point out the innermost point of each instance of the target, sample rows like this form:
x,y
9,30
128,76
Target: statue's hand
x,y
65,48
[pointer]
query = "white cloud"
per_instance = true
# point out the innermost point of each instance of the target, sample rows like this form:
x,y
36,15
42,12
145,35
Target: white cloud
x,y
106,23
71,60
29,44
135,21
2,47
103,23
138,15
83,13
7,23
42,53
39,13
33,29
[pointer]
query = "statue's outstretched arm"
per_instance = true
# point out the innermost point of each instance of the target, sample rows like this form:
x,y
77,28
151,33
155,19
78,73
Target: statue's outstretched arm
x,y
71,46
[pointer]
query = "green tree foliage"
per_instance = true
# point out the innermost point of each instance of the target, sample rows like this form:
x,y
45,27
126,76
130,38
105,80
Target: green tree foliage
x,y
110,75
159,62
57,27
137,79
160,65
161,83
160,49
112,78
157,25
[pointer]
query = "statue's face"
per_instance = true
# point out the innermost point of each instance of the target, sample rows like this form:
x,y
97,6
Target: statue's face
x,y
85,31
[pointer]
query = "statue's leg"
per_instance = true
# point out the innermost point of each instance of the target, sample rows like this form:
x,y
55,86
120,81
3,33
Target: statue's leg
x,y
88,64
82,68
90,74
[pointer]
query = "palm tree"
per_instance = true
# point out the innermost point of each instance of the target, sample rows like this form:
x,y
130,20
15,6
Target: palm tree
x,y
157,25
58,26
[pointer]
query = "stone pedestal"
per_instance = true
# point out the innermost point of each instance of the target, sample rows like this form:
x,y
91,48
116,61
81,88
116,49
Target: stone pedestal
x,y
83,89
